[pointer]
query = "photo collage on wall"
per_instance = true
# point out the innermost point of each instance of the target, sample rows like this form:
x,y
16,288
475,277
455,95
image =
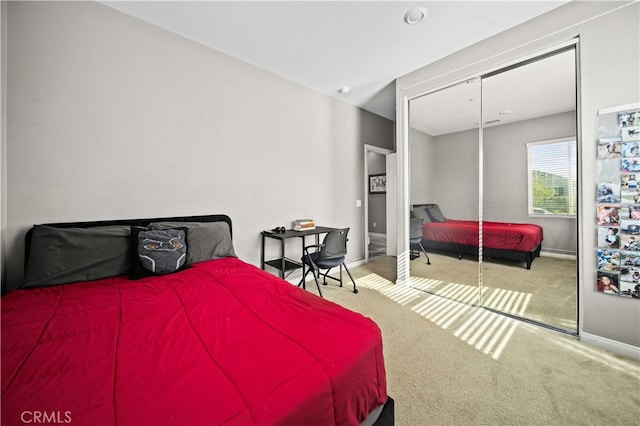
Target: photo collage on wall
x,y
618,201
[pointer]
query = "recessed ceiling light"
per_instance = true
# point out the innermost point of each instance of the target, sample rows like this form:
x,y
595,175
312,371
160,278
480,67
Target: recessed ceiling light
x,y
415,15
344,90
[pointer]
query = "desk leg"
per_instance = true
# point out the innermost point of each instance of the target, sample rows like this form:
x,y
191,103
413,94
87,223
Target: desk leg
x,y
304,269
262,253
284,263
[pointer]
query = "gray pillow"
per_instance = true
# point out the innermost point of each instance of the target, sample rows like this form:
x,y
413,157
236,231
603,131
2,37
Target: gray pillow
x,y
67,255
435,214
420,212
205,240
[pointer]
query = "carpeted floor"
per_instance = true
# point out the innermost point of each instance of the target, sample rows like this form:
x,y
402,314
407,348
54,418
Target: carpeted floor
x,y
546,293
449,363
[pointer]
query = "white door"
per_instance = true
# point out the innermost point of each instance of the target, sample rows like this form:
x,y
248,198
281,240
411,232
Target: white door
x,y
392,228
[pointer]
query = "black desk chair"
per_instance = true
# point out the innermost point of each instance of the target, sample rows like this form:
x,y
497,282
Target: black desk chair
x,y
415,238
329,254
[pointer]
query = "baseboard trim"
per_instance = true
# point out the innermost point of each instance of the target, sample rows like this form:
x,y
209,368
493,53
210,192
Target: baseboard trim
x,y
558,255
611,345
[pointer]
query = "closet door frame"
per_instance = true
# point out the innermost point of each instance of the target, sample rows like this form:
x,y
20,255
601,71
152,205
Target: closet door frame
x,y
403,99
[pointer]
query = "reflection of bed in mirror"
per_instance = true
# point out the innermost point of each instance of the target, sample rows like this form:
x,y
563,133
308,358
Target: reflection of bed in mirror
x,y
511,241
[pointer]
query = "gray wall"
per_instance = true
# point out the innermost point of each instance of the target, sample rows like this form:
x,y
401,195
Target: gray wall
x,y
505,177
455,174
609,65
421,163
110,117
3,145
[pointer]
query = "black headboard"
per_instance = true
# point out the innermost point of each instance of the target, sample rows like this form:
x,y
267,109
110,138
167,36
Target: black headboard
x,y
131,222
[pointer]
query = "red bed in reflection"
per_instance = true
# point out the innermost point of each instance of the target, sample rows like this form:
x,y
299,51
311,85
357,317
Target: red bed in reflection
x,y
513,241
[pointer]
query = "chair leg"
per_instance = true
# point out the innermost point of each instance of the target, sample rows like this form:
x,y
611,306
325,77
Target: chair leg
x,y
316,280
355,290
324,277
425,253
302,282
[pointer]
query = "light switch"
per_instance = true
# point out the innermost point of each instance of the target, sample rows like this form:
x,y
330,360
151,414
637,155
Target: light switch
x,y
358,203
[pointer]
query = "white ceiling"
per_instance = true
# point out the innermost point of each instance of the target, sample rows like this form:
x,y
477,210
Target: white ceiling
x,y
325,45
536,89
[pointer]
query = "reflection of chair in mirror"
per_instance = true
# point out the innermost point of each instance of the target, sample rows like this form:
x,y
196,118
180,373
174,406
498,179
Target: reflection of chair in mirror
x,y
329,254
415,239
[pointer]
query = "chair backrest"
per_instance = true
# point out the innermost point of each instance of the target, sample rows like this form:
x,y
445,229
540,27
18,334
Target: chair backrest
x,y
415,227
334,244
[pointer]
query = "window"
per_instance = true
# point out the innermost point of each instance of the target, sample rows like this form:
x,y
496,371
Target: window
x,y
552,177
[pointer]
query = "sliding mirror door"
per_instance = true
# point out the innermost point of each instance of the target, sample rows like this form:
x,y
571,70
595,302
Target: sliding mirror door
x,y
444,187
498,199
529,190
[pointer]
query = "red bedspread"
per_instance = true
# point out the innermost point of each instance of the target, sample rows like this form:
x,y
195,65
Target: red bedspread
x,y
498,235
220,343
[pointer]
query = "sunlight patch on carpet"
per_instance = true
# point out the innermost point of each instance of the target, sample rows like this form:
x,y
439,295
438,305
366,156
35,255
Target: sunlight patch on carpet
x,y
511,302
441,311
451,306
400,294
487,331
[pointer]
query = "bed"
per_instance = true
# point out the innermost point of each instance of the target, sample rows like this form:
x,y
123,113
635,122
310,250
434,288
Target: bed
x,y
519,242
104,333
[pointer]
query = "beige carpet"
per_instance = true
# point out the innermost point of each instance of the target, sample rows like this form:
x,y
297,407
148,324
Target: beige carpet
x,y
546,293
452,364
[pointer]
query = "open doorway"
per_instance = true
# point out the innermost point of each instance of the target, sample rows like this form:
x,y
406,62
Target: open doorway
x,y
376,205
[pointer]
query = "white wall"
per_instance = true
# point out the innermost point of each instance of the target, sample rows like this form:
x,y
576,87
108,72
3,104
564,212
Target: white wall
x,y
110,117
609,66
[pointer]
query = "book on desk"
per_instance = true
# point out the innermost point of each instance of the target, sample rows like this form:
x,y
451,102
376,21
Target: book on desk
x,y
303,225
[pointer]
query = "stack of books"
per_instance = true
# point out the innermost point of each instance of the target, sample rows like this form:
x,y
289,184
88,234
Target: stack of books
x,y
303,225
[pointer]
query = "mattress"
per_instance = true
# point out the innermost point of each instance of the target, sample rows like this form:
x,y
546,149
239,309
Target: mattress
x,y
522,237
222,342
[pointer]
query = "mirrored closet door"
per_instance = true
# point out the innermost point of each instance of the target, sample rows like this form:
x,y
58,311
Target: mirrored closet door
x,y
444,186
493,175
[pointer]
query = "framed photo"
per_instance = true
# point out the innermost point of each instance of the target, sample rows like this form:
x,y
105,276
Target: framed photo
x,y
378,184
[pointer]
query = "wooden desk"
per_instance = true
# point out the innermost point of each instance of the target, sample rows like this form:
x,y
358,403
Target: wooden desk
x,y
282,263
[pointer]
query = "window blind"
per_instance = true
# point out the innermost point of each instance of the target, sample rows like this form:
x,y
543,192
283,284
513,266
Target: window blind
x,y
552,177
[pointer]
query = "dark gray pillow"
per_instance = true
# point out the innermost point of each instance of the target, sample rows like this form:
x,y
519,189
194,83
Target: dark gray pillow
x,y
206,240
435,214
67,255
420,212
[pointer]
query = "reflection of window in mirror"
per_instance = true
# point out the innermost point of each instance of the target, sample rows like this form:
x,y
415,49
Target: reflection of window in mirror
x,y
551,175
